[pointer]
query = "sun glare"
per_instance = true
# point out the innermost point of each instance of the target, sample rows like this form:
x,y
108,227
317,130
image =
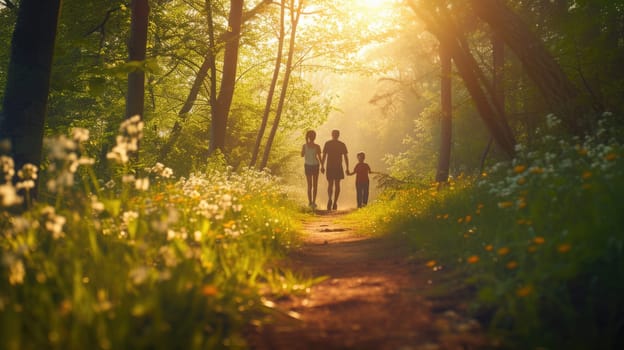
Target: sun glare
x,y
373,4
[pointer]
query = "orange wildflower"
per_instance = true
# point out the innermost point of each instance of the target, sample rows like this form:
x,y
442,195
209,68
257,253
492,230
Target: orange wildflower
x,y
503,251
586,175
473,259
611,156
564,247
524,291
522,203
511,265
209,290
536,170
532,249
519,169
539,240
489,247
431,263
468,219
506,204
521,181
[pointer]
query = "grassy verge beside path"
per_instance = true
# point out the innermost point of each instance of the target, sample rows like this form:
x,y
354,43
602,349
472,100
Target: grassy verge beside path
x,y
538,241
138,261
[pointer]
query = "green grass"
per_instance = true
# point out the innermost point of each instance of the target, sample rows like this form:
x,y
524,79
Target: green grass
x,y
540,241
120,264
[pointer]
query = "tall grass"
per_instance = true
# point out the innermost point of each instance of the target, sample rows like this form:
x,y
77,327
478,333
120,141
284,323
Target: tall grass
x,y
539,240
141,260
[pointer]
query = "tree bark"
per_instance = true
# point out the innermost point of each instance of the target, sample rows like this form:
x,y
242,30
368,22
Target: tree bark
x,y
294,21
269,101
446,126
135,98
226,91
28,81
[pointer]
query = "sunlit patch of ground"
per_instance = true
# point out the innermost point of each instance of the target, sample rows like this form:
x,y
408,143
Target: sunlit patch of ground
x,y
372,298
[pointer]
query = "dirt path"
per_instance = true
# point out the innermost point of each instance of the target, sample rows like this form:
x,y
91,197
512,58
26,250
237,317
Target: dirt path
x,y
372,298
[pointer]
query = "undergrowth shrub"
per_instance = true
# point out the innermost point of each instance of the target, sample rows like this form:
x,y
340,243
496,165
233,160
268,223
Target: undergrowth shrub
x,y
141,260
539,240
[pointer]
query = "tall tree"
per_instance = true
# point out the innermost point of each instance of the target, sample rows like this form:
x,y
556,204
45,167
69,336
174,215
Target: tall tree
x,y
208,65
446,126
269,101
295,15
561,94
28,82
135,99
221,110
441,24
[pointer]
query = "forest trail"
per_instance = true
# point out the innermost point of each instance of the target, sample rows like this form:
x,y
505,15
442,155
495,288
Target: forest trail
x,y
372,297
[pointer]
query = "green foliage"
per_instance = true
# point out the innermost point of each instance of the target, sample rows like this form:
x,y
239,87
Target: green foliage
x,y
539,240
140,260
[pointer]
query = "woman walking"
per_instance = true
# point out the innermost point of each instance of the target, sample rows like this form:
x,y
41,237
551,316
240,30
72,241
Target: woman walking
x,y
312,162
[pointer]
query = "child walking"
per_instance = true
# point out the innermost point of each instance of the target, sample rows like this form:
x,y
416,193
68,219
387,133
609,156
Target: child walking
x,y
361,171
311,152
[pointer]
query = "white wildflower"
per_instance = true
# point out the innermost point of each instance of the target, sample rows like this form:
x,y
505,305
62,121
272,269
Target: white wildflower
x,y
9,196
80,134
142,184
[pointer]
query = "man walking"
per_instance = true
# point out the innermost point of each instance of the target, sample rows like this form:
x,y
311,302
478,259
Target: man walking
x,y
333,152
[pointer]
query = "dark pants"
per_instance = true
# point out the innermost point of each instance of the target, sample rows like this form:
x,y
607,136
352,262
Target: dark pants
x,y
362,194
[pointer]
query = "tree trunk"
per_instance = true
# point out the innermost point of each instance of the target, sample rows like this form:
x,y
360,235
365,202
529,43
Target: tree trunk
x,y
544,71
498,79
294,21
441,25
269,101
135,98
226,91
444,158
28,81
207,64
